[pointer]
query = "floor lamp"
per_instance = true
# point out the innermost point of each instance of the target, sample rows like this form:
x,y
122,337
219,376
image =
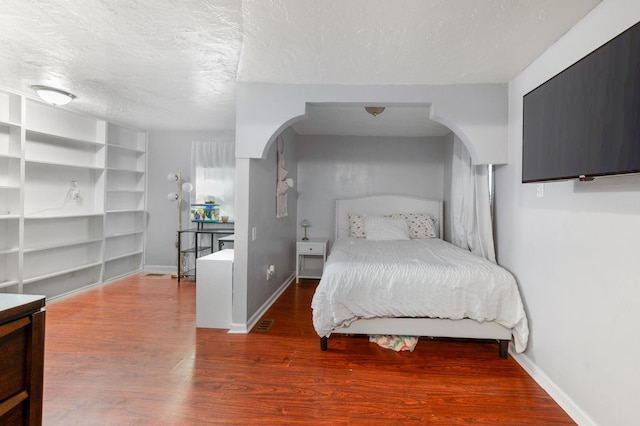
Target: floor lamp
x,y
183,187
177,196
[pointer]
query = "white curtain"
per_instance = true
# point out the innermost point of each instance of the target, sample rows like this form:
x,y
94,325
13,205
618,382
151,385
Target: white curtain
x,y
471,227
213,171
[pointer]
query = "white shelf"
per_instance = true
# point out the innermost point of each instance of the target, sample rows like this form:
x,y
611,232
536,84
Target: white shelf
x,y
123,234
59,122
7,155
61,272
62,231
10,109
136,191
8,264
57,139
126,148
9,124
125,137
124,222
67,180
125,201
122,256
10,174
51,150
9,216
61,164
122,267
62,216
51,246
10,283
126,211
9,170
125,169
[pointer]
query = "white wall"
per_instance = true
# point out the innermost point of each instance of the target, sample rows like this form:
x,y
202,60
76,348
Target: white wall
x,y
331,167
167,152
477,113
575,255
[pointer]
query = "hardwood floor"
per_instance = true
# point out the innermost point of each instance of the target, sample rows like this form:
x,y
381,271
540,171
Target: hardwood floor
x,y
128,353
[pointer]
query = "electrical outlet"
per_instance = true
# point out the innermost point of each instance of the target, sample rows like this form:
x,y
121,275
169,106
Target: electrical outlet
x,y
75,192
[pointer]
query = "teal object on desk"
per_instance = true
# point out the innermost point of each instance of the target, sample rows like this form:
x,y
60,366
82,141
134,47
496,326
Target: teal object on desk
x,y
207,212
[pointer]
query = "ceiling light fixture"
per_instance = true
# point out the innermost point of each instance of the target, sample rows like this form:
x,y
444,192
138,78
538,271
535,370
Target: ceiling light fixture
x,y
53,96
374,110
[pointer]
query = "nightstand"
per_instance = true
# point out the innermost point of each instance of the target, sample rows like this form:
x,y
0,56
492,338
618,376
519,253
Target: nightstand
x,y
316,247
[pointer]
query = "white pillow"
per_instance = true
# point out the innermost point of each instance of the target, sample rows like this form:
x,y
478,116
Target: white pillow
x,y
380,228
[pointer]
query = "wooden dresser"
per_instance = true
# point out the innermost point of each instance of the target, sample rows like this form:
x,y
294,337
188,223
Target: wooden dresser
x,y
22,318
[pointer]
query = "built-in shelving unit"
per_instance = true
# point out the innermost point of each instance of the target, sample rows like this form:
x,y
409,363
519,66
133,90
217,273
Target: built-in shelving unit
x,y
72,198
10,190
125,201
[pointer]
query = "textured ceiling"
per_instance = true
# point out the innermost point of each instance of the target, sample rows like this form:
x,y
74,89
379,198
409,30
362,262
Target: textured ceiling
x,y
173,65
407,42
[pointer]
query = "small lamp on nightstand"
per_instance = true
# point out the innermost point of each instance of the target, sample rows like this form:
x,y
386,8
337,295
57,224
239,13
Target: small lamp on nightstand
x,y
305,224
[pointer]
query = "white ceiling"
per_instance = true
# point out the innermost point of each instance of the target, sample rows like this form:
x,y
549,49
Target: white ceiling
x,y
174,64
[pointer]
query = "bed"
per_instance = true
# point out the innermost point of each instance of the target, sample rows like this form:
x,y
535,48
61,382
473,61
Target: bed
x,y
381,284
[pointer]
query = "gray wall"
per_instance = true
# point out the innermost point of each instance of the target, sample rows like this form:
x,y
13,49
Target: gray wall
x,y
275,238
324,168
574,252
167,152
448,167
331,167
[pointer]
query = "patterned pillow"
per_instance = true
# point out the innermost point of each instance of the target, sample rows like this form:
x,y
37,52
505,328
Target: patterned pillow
x,y
421,225
356,226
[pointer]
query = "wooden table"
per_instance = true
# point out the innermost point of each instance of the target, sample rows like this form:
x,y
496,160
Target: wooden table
x,y
22,319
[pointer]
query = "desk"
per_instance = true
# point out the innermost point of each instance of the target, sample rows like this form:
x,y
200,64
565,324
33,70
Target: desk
x,y
224,240
197,249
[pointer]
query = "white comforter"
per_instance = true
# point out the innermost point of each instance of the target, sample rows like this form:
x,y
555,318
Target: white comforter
x,y
416,278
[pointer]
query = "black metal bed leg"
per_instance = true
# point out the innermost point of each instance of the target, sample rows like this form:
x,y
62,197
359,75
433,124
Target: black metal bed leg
x,y
323,343
504,348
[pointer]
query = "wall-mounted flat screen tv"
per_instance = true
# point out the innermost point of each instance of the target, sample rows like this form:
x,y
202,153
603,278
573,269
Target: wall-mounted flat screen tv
x,y
585,121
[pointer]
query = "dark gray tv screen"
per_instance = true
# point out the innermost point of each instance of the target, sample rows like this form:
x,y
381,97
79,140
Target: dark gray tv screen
x,y
585,121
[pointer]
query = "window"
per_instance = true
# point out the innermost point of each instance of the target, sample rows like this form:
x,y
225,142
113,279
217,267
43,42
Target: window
x,y
213,174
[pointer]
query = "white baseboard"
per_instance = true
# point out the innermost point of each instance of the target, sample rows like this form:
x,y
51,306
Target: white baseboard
x,y
161,269
90,286
559,396
244,328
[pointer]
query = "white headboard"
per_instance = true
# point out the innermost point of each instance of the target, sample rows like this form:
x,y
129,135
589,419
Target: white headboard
x,y
384,204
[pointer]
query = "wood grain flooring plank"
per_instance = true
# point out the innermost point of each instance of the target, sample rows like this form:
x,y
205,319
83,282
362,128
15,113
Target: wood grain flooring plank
x,y
128,353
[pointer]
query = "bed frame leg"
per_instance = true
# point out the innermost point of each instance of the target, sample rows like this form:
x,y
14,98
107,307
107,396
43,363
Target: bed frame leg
x,y
504,348
323,343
